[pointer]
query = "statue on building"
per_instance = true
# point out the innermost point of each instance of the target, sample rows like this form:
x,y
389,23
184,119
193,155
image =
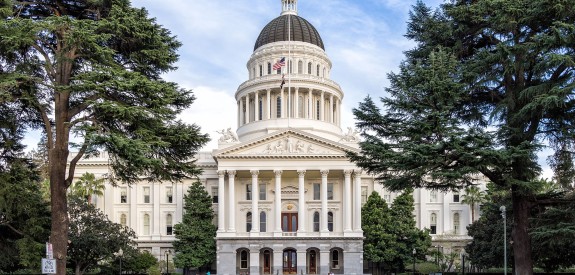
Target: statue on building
x,y
228,136
351,135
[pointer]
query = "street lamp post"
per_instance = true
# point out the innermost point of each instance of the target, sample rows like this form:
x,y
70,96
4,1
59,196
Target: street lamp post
x,y
463,263
414,252
437,257
120,254
504,215
167,265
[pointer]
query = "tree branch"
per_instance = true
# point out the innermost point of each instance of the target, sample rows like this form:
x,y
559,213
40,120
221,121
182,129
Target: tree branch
x,y
12,228
73,163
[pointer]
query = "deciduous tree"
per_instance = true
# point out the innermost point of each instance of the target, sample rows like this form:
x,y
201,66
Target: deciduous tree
x,y
92,69
488,85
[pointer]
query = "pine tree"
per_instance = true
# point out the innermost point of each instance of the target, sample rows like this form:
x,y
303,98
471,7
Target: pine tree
x,y
375,222
195,244
487,83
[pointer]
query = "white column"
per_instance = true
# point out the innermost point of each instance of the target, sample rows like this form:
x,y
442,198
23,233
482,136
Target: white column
x,y
357,200
156,217
296,106
322,107
255,197
221,201
347,201
283,105
278,202
330,115
247,115
269,104
309,104
231,199
323,221
256,106
301,192
239,113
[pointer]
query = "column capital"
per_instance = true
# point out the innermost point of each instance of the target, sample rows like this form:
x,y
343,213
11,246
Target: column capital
x,y
301,173
357,172
221,173
278,172
324,172
254,173
231,173
347,172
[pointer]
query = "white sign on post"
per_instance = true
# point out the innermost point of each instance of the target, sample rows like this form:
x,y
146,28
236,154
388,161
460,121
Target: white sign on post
x,y
48,266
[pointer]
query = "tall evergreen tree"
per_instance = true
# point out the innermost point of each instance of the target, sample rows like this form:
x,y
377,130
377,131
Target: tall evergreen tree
x,y
195,244
93,69
378,243
487,83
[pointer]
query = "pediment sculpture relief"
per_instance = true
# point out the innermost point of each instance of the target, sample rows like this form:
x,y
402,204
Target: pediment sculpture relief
x,y
287,146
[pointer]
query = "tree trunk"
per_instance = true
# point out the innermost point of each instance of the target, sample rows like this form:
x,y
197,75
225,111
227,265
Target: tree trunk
x,y
519,234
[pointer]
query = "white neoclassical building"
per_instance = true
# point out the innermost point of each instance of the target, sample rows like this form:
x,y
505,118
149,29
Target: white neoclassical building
x,y
287,199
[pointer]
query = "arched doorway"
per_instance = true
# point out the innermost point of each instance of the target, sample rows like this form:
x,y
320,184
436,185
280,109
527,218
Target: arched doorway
x,y
312,261
289,261
267,262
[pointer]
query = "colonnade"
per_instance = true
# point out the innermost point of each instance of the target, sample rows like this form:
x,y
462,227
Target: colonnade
x,y
299,103
351,201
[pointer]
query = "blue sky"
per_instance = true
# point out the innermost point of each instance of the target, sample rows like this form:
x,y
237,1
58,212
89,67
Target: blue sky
x,y
364,40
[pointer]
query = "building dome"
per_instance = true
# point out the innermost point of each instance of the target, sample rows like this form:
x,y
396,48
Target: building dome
x,y
277,30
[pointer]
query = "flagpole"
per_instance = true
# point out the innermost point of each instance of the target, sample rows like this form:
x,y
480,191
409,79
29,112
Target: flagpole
x,y
289,66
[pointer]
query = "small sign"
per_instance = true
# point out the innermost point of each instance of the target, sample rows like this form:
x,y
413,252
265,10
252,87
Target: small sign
x,y
48,266
49,251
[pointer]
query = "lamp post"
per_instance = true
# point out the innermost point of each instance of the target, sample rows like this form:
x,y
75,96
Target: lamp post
x,y
462,263
504,215
167,265
437,257
414,252
120,254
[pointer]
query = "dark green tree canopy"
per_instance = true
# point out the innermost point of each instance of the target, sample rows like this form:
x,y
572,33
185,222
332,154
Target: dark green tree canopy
x,y
195,244
488,86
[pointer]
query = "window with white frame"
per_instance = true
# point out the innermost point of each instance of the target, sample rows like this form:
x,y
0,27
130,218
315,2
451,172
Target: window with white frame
x,y
123,195
433,223
146,224
261,70
456,223
269,68
316,191
263,221
169,228
335,259
279,107
433,196
169,194
300,67
214,194
455,196
244,259
146,194
316,222
309,68
249,222
248,192
123,220
330,221
262,190
330,191
387,197
363,194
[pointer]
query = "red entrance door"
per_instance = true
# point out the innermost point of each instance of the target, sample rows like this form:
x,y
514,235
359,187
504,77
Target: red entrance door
x,y
289,222
290,262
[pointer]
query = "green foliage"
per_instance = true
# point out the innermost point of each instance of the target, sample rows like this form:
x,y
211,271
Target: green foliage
x,y
24,218
488,86
88,185
94,238
391,233
473,196
195,244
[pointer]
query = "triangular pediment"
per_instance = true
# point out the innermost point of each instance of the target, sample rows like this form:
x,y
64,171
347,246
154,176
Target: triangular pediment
x,y
286,144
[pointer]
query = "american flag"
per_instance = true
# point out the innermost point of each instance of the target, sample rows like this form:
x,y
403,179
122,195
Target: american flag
x,y
279,64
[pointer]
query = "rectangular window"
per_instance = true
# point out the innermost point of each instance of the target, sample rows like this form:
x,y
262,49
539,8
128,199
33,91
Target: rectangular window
x,y
169,194
387,197
146,194
363,194
214,194
456,197
248,192
433,196
330,191
123,195
316,191
433,229
261,70
262,192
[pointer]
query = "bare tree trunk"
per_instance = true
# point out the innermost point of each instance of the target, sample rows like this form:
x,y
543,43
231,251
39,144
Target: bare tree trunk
x,y
519,234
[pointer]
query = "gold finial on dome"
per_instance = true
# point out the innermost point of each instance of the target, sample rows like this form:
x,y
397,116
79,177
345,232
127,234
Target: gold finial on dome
x,y
289,7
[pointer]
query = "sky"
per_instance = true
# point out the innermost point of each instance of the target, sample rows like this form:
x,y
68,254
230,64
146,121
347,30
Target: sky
x,y
363,38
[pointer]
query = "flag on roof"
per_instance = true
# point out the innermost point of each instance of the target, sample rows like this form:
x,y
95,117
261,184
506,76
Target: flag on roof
x,y
280,63
283,81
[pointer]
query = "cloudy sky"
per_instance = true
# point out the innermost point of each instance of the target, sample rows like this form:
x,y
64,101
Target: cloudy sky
x,y
364,40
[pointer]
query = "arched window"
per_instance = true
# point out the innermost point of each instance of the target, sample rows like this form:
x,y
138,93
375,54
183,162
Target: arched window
x,y
261,70
433,223
269,68
330,221
279,107
317,70
456,223
244,259
146,224
169,224
335,259
300,67
309,68
316,222
249,222
123,219
263,221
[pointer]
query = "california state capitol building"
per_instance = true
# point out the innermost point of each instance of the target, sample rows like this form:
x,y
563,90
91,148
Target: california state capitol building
x,y
287,200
